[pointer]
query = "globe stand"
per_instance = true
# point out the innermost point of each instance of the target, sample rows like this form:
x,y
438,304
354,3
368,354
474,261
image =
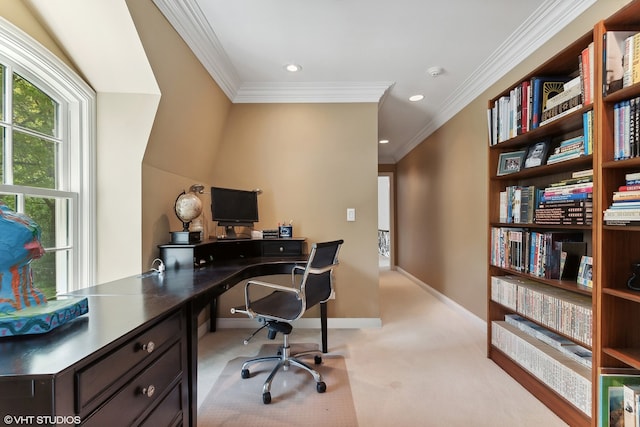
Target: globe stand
x,y
185,237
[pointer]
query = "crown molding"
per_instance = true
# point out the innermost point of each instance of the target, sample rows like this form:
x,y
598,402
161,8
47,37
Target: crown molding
x,y
550,17
322,92
188,20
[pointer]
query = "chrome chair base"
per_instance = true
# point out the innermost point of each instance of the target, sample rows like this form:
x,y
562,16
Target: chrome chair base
x,y
284,360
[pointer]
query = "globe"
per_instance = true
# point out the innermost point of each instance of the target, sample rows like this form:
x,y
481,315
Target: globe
x,y
188,207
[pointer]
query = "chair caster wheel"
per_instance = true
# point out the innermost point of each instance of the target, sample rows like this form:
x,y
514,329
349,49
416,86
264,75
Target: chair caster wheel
x,y
266,398
245,373
317,360
321,387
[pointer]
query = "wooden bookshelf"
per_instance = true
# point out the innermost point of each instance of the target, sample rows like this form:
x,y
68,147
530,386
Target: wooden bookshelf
x,y
615,308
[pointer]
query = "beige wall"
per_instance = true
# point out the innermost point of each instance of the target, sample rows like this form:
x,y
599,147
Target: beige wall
x,y
187,130
312,162
442,188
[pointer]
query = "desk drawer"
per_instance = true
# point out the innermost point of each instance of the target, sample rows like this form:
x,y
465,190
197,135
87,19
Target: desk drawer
x,y
282,248
142,392
103,377
169,412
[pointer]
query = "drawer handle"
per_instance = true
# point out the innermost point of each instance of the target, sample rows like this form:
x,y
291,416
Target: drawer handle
x,y
149,347
281,249
148,391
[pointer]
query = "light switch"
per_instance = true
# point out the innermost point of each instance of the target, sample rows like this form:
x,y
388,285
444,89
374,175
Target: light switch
x,y
351,214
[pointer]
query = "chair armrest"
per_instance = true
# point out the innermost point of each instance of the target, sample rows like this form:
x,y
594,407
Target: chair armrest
x,y
273,286
294,270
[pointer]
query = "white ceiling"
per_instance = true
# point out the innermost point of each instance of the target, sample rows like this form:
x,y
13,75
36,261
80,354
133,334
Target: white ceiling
x,y
368,51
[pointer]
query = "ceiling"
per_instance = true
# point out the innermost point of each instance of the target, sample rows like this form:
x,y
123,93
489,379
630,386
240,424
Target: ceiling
x,y
368,51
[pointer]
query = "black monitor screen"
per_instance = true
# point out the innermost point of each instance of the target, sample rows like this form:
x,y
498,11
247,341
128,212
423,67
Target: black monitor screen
x,y
234,206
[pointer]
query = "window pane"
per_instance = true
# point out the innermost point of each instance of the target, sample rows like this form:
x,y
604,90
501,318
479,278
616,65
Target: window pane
x,y
34,161
44,274
32,108
51,215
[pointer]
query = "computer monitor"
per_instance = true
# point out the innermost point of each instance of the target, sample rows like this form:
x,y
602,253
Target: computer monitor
x,y
231,208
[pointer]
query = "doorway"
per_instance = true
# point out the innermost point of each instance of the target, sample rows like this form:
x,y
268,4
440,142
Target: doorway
x,y
385,220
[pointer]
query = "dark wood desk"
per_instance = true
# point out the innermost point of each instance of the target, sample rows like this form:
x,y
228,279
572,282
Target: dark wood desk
x,y
138,341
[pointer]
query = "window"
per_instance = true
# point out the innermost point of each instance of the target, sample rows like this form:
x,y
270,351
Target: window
x,y
46,157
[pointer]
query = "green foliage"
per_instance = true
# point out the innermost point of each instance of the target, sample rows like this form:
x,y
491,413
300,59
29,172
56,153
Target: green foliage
x,y
32,108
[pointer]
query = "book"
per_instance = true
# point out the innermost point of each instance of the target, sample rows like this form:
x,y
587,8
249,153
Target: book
x,y
611,382
571,89
543,88
564,260
586,68
634,176
582,173
613,57
563,108
587,127
631,395
635,67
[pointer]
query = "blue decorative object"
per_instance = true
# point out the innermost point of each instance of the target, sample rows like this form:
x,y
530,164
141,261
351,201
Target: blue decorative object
x,y
24,308
42,318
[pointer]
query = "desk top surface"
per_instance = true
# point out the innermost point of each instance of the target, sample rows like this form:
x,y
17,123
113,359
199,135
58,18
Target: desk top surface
x,y
121,307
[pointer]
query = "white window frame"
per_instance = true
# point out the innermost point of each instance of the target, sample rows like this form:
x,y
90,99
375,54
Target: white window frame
x,y
33,61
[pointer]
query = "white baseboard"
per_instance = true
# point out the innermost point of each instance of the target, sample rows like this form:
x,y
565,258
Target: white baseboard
x,y
475,320
304,323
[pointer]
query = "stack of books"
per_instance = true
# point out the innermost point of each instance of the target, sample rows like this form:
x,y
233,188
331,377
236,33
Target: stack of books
x,y
568,149
625,209
517,204
568,378
270,234
621,60
626,129
563,103
567,202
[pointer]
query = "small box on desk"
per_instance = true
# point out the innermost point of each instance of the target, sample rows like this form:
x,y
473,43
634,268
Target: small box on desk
x,y
285,231
270,234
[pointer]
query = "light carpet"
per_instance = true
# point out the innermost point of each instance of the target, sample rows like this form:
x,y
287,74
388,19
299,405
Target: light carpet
x,y
234,401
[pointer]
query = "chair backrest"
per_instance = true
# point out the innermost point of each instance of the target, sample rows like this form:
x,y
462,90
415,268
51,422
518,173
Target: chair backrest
x,y
317,281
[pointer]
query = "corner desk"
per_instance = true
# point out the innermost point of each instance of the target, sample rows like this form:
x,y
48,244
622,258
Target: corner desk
x,y
133,356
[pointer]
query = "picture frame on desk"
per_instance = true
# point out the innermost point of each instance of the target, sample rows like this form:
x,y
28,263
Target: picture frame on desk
x,y
511,162
537,154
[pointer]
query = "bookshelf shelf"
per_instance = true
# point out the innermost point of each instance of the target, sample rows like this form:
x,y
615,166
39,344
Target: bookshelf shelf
x,y
614,310
623,293
546,170
628,356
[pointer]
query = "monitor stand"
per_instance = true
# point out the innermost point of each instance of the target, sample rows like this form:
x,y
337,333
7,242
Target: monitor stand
x,y
230,233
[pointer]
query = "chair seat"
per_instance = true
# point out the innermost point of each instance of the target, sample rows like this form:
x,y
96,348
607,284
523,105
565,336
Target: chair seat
x,y
282,305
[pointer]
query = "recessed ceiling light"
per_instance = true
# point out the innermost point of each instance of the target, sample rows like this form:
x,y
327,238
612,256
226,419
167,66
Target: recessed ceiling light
x,y
416,98
384,141
293,68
